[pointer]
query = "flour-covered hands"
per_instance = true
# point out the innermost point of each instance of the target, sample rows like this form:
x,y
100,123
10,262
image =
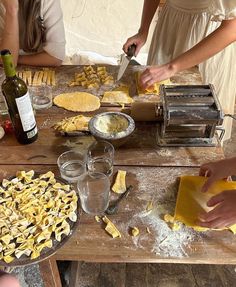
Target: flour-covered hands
x,y
154,74
224,213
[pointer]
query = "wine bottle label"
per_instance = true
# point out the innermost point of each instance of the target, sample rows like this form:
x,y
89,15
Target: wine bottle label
x,y
32,133
26,112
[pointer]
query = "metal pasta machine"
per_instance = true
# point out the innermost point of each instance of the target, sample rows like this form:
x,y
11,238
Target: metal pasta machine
x,y
191,116
187,115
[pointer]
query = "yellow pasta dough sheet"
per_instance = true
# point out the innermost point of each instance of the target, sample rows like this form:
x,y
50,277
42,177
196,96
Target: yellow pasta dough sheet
x,y
77,102
155,89
121,97
191,201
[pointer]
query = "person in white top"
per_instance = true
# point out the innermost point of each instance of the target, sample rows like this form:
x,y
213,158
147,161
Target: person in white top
x,y
33,31
187,33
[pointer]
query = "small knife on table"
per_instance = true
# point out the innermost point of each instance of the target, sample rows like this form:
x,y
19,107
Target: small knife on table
x,y
125,59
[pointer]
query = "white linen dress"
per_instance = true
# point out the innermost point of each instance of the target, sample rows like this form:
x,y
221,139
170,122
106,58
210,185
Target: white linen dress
x,y
180,26
51,14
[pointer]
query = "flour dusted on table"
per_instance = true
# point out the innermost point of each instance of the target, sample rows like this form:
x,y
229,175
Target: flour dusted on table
x,y
167,242
162,192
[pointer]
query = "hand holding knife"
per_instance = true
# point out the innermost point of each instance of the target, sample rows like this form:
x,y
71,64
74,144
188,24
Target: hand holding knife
x,y
125,59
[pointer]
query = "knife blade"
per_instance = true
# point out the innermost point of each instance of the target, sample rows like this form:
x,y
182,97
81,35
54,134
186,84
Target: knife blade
x,y
125,59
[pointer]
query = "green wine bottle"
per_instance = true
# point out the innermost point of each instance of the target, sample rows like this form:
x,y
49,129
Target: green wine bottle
x,y
18,101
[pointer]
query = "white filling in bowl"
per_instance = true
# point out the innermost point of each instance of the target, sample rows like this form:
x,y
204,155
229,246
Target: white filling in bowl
x,y
111,124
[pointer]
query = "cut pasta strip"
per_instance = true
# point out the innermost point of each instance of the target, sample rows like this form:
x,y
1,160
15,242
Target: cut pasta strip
x,y
35,78
120,184
111,228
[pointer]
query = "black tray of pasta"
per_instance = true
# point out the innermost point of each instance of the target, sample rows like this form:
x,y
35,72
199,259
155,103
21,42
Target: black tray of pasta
x,y
38,214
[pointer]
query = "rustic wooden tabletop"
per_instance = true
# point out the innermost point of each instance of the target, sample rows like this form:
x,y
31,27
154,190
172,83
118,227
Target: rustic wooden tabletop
x,y
153,171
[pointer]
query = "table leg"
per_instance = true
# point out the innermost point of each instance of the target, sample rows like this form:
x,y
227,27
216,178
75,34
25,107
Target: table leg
x,y
74,272
50,274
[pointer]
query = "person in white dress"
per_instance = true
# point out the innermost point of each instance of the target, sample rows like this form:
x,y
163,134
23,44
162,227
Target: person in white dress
x,y
33,30
188,33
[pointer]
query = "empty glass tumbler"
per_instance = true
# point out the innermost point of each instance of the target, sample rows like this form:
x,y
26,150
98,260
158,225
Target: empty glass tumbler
x,y
71,165
100,157
94,192
41,97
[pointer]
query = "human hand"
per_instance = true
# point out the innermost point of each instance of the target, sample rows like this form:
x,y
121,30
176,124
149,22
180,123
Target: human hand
x,y
217,170
224,214
139,40
155,74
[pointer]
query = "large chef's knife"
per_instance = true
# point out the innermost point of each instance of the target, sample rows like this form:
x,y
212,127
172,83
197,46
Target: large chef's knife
x,y
125,59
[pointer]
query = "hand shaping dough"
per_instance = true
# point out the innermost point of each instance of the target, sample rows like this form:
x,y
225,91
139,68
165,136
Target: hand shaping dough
x,y
191,201
155,89
77,102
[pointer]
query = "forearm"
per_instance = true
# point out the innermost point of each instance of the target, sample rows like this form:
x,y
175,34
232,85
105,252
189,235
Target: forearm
x,y
208,47
149,9
10,36
40,59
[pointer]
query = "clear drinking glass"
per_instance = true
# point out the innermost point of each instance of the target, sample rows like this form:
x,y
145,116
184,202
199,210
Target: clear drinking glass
x,y
94,191
71,165
41,97
100,157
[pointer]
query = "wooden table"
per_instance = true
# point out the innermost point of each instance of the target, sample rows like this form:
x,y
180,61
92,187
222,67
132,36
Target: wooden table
x,y
150,169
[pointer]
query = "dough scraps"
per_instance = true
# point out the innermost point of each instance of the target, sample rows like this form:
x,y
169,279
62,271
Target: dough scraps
x,y
77,123
77,102
191,201
135,231
111,228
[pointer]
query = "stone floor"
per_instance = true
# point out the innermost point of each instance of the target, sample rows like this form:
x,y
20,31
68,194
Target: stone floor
x,y
155,275
29,276
144,275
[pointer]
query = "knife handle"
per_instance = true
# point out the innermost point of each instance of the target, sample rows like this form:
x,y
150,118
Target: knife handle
x,y
131,50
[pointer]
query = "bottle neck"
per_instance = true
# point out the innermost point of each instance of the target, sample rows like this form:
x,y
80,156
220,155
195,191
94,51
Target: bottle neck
x,y
8,66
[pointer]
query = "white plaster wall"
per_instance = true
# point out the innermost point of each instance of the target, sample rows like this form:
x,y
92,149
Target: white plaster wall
x,y
101,26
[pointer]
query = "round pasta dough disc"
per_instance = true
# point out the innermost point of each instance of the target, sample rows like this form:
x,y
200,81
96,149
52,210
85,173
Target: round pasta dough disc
x,y
77,102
